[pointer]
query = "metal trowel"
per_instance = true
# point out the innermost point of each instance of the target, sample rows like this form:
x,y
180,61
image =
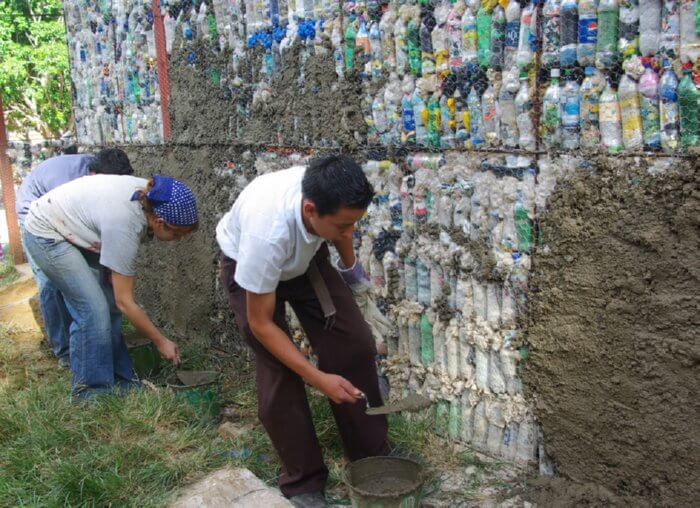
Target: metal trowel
x,y
412,403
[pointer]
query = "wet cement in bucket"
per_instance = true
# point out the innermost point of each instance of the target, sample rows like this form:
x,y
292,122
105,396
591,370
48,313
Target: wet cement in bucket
x,y
192,378
386,477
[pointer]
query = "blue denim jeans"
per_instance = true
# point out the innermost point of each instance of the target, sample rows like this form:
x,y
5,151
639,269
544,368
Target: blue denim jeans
x,y
53,309
99,358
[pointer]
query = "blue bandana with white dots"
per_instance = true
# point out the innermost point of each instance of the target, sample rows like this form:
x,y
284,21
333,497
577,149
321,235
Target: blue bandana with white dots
x,y
173,201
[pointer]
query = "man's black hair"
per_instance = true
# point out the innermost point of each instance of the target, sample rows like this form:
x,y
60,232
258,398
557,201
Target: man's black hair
x,y
111,161
336,181
70,150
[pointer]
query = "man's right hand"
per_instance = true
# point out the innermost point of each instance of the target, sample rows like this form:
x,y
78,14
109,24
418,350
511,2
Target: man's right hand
x,y
337,388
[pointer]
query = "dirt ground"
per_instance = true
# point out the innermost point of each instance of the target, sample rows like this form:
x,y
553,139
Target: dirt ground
x,y
613,331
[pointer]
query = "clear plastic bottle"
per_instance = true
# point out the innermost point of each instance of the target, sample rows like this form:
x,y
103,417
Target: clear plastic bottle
x,y
550,122
386,29
489,114
434,122
400,43
668,107
629,27
447,119
510,48
461,118
551,32
469,37
669,42
587,32
649,106
420,115
525,53
523,110
476,130
630,113
379,118
498,38
606,46
441,43
570,112
375,43
336,42
569,33
649,26
507,114
426,46
392,103
689,105
483,29
408,121
610,127
454,35
690,34
590,96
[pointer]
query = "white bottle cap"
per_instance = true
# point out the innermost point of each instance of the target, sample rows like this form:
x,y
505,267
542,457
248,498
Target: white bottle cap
x,y
554,73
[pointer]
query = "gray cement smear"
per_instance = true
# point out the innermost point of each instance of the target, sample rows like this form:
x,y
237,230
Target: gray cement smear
x,y
613,330
325,111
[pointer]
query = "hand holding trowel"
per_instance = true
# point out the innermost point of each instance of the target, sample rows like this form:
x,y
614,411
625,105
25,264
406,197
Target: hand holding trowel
x,y
414,402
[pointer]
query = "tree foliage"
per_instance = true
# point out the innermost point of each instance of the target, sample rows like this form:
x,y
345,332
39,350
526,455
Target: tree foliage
x,y
34,69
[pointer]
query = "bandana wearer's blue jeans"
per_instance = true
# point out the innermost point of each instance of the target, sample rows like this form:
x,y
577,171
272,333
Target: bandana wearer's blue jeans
x,y
99,358
53,309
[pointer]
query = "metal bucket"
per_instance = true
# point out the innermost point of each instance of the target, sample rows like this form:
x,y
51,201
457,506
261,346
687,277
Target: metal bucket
x,y
144,356
385,482
203,393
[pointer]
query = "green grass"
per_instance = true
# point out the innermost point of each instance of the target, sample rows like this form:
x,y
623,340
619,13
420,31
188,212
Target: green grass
x,y
8,272
120,451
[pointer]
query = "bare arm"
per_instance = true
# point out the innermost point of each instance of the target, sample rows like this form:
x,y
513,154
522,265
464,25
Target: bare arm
x,y
346,251
261,309
123,286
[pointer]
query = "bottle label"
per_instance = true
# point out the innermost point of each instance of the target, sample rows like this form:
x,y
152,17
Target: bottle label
x,y
587,30
512,34
409,122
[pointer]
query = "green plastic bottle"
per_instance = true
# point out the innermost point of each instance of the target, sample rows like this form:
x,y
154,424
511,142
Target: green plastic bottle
x,y
414,49
689,105
483,36
350,35
427,348
523,224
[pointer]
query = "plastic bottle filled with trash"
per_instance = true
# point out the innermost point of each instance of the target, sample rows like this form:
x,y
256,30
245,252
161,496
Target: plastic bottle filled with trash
x,y
498,38
523,111
508,116
668,107
476,130
525,52
489,112
630,111
454,36
434,122
400,49
609,118
420,116
350,36
587,32
551,32
408,122
649,106
649,26
483,39
629,27
670,39
441,43
689,105
469,38
413,45
590,95
606,46
570,112
510,48
550,122
426,46
690,32
461,119
447,118
569,33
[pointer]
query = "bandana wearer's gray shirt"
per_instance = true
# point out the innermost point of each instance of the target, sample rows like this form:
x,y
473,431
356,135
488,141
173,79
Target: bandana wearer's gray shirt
x,y
94,213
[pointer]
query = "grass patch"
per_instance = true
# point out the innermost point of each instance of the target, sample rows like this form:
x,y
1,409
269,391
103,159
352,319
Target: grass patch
x,y
119,451
8,272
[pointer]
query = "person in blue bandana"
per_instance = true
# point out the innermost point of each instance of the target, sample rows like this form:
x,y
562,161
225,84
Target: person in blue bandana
x,y
85,236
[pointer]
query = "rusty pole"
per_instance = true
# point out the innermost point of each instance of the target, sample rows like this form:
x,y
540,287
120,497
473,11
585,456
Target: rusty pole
x,y
162,60
8,194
